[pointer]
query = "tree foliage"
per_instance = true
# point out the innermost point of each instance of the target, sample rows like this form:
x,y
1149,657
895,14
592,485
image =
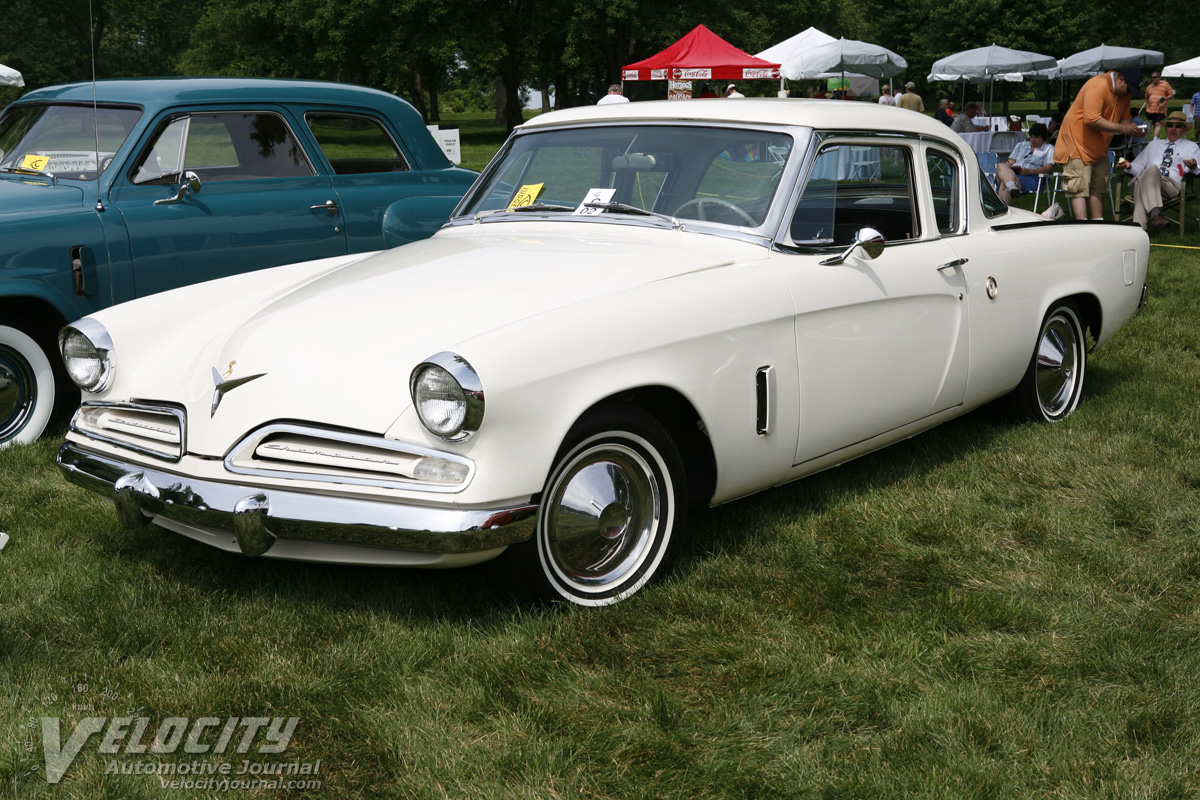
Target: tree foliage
x,y
475,51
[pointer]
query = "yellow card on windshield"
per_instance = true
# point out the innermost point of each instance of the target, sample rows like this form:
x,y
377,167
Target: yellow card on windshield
x,y
526,195
36,163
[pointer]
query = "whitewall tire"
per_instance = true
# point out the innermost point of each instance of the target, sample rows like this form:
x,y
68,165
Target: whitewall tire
x,y
27,388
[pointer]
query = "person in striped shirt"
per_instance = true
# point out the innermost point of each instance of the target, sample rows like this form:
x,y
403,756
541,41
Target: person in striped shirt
x,y
1158,94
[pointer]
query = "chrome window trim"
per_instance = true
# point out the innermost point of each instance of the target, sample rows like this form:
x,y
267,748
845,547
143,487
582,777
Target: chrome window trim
x,y
143,407
761,234
942,149
249,444
318,112
781,241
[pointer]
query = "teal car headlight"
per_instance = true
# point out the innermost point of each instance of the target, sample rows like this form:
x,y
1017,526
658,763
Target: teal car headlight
x,y
87,352
448,396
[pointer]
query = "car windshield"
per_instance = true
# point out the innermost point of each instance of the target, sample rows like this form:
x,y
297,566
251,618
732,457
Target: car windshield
x,y
63,140
726,175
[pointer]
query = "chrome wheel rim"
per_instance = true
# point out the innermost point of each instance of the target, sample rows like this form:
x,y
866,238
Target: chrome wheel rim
x,y
18,390
603,513
1057,366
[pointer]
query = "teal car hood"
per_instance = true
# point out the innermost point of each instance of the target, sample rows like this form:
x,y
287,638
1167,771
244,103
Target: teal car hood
x,y
28,193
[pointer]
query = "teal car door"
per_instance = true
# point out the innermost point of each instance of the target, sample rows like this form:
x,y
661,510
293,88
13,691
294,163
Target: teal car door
x,y
217,193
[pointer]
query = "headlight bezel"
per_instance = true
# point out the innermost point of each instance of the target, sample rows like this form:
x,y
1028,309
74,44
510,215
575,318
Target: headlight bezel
x,y
469,384
101,343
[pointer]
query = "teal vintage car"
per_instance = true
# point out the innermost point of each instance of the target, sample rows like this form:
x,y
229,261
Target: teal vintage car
x,y
129,187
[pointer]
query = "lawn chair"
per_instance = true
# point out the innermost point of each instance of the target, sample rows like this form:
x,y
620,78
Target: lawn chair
x,y
1174,209
1048,184
1003,143
987,163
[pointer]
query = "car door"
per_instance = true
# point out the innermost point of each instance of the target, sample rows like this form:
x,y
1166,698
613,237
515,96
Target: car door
x,y
881,342
257,202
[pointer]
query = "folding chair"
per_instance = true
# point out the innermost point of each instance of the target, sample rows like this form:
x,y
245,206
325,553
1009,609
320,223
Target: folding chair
x,y
1003,142
1174,209
987,163
1047,183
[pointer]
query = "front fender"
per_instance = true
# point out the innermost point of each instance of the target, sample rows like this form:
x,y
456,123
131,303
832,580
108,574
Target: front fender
x,y
416,218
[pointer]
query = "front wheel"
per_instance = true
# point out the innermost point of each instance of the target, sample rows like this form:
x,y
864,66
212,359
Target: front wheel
x,y
26,387
1053,382
611,510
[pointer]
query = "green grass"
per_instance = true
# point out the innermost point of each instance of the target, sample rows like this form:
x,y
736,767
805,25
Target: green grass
x,y
987,610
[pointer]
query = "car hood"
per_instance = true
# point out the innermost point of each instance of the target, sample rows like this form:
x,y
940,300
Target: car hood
x,y
28,193
338,349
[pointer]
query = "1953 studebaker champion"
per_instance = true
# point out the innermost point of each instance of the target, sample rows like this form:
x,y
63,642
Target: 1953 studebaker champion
x,y
634,309
167,182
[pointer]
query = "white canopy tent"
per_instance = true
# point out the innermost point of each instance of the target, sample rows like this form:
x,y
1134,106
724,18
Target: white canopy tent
x,y
1184,69
805,42
10,77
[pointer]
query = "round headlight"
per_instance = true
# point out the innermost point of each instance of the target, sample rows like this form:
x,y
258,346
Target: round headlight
x,y
87,352
448,396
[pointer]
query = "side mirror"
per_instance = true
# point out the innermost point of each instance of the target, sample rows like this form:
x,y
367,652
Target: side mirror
x,y
869,239
191,183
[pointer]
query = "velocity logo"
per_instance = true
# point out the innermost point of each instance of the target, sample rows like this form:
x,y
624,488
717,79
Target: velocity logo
x,y
127,735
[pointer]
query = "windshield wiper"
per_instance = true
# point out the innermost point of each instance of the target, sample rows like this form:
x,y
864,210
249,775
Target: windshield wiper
x,y
27,171
531,207
625,208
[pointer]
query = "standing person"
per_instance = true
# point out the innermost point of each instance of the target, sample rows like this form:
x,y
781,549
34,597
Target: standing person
x,y
910,99
614,96
732,91
886,98
1158,172
1158,95
1100,110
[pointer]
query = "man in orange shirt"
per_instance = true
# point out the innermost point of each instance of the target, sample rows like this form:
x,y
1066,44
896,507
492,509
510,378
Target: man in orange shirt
x,y
1100,110
1158,94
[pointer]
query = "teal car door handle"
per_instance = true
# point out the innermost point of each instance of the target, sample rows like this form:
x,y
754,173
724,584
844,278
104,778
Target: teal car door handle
x,y
328,205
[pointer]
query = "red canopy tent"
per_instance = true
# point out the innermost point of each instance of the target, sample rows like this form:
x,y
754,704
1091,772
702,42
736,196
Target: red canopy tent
x,y
703,56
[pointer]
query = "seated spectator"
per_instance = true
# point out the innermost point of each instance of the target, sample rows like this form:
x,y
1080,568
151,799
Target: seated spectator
x,y
1029,158
1056,121
1158,171
965,122
943,114
952,110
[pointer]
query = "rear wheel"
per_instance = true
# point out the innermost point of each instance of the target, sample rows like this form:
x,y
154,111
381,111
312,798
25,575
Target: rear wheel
x,y
611,511
27,389
1053,382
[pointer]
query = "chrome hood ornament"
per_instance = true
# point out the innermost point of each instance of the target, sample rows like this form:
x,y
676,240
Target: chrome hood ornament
x,y
222,385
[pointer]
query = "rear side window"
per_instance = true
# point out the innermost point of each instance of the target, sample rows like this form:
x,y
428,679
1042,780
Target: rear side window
x,y
224,147
853,187
355,145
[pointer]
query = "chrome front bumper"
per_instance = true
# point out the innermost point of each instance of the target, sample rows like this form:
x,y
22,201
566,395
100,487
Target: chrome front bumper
x,y
290,524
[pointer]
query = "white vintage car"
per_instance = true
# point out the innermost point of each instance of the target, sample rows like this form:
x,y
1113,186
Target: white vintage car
x,y
636,308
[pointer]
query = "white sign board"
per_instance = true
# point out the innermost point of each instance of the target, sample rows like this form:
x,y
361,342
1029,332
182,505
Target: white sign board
x,y
447,140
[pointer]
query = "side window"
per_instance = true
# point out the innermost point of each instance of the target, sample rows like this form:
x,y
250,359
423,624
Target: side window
x,y
853,187
943,179
993,206
224,147
355,145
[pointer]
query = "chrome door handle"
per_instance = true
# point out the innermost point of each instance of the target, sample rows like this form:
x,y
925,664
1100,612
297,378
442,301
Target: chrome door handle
x,y
328,205
953,264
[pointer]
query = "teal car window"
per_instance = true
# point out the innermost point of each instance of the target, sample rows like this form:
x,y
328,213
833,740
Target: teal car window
x,y
224,147
355,145
63,140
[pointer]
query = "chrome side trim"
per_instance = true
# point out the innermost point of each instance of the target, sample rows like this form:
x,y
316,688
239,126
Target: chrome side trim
x,y
258,519
243,451
144,408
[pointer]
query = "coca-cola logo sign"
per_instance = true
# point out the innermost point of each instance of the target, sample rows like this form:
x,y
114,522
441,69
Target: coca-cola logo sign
x,y
759,72
693,74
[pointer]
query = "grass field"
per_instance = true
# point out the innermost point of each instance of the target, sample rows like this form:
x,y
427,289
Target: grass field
x,y
988,610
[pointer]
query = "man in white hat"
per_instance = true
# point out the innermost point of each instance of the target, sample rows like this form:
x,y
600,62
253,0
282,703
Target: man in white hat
x,y
731,91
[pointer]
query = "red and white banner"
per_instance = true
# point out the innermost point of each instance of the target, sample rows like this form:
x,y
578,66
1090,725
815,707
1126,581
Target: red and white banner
x,y
692,74
750,73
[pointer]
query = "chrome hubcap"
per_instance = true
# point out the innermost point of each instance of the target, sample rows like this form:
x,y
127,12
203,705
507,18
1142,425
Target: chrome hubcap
x,y
18,390
1057,359
602,516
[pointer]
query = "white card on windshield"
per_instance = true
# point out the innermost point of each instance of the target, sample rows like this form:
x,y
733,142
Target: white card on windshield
x,y
594,196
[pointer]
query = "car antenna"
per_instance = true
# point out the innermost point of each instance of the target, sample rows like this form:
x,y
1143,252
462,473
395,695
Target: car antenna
x,y
95,110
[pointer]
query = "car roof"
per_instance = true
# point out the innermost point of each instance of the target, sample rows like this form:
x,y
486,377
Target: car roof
x,y
161,92
839,115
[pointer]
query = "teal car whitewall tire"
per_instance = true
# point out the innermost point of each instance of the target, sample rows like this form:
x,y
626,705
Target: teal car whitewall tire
x,y
27,389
